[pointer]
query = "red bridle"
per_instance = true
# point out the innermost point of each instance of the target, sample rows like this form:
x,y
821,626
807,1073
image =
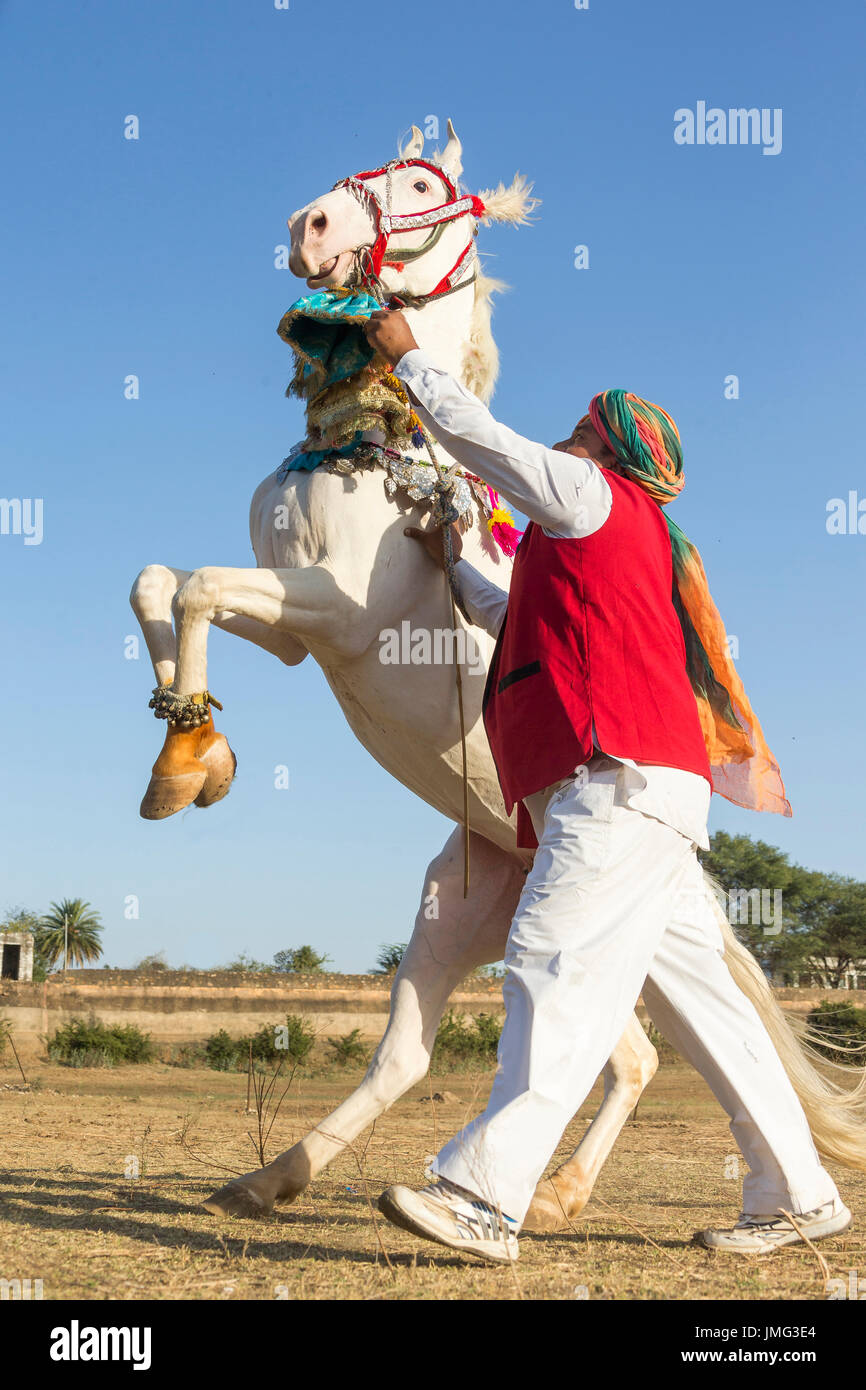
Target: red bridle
x,y
385,222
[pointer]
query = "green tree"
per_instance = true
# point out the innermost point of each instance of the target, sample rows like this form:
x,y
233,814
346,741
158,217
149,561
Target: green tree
x,y
70,933
389,958
835,938
300,960
823,919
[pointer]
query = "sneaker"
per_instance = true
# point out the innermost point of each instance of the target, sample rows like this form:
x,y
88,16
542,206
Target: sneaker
x,y
448,1214
759,1234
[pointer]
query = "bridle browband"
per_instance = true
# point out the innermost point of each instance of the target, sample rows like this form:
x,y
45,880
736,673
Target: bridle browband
x,y
370,259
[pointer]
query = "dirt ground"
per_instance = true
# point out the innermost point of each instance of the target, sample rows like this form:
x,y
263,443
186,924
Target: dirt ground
x,y
73,1213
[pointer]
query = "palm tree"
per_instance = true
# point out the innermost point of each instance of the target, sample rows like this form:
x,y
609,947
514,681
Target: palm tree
x,y
70,932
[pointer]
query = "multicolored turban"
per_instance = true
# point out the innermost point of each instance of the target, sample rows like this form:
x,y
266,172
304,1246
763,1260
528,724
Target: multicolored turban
x,y
647,446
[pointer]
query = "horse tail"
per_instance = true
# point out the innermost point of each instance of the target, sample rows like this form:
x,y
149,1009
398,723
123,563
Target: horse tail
x,y
833,1095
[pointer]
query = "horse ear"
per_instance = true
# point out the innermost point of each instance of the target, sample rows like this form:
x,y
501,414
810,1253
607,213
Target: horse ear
x,y
414,145
451,157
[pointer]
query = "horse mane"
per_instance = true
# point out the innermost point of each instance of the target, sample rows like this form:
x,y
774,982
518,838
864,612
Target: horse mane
x,y
511,204
481,358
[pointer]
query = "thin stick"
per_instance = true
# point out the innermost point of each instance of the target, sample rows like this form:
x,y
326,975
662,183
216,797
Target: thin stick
x,y
17,1058
822,1263
464,755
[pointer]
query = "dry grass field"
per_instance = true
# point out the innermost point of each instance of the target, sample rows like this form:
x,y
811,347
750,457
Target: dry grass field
x,y
71,1214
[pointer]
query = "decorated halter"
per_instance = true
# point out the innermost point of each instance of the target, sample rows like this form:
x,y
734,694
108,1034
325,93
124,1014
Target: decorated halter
x,y
370,259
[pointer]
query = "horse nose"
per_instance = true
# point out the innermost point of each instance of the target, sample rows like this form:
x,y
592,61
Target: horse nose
x,y
316,226
309,230
318,221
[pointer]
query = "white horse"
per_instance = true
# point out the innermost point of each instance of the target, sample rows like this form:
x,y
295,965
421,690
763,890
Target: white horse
x,y
335,574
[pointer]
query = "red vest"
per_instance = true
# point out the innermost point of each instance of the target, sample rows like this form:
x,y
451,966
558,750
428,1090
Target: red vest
x,y
591,638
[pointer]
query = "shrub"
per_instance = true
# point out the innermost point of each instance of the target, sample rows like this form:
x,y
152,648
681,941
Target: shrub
x,y
191,1054
92,1043
291,1041
348,1048
150,964
221,1051
466,1041
295,1042
247,965
300,960
841,1030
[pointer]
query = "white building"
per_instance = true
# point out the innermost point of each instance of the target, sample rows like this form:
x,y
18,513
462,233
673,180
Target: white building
x,y
16,955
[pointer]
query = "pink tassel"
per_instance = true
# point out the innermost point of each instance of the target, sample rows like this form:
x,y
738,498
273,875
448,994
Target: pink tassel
x,y
502,527
506,536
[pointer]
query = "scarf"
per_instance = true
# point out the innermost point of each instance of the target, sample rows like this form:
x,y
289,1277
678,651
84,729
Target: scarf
x,y
647,445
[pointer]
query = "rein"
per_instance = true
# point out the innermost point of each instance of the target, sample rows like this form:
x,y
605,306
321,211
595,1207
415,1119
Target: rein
x,y
369,262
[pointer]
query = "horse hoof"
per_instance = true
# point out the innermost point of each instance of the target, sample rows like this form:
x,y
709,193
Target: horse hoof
x,y
544,1217
166,795
220,768
236,1200
551,1209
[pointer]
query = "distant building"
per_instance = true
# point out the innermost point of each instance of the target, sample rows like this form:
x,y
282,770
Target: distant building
x,y
16,955
815,975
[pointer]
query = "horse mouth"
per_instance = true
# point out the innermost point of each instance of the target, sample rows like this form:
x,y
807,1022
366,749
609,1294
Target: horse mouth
x,y
325,269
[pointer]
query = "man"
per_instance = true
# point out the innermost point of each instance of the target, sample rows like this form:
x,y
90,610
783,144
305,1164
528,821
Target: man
x,y
612,707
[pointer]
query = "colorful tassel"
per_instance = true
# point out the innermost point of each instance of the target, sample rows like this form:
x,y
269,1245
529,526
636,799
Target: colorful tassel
x,y
501,525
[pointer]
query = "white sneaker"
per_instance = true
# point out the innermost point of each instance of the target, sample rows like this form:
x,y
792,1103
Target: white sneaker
x,y
448,1214
759,1234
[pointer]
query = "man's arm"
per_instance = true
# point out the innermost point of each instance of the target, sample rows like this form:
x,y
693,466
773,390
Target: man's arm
x,y
565,495
484,601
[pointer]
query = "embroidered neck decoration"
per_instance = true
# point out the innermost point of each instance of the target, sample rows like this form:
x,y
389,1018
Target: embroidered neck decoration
x,y
347,396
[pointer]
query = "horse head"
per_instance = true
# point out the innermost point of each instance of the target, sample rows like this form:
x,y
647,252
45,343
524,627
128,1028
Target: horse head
x,y
405,225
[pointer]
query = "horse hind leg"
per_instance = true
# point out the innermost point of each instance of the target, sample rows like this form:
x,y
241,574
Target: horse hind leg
x,y
563,1196
467,933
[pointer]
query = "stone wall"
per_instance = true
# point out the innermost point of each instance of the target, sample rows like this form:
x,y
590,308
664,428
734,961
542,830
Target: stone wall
x,y
187,1006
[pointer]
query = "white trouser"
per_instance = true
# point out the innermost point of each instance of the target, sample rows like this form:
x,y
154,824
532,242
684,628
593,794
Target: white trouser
x,y
615,904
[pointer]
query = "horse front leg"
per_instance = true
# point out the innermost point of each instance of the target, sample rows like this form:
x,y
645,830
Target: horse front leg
x,y
151,598
274,609
563,1196
466,933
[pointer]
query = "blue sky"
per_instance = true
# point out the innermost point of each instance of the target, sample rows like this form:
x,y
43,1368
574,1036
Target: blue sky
x,y
156,257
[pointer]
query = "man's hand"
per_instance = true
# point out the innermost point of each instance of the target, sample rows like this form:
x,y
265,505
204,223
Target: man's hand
x,y
389,334
432,542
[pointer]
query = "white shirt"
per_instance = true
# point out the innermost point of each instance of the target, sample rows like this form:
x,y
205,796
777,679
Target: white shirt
x,y
568,497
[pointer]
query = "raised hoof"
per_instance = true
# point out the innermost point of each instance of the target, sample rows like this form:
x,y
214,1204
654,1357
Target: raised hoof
x,y
220,767
236,1200
551,1209
166,795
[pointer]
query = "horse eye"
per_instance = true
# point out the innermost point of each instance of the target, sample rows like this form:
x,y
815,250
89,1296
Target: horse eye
x,y
420,186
